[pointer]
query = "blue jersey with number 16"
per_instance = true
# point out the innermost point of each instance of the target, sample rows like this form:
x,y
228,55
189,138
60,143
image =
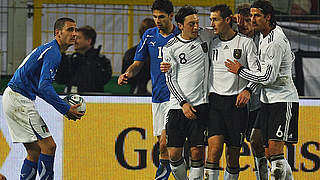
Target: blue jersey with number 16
x,y
151,45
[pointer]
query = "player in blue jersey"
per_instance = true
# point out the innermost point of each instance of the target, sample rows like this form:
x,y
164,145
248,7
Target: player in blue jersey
x,y
34,78
151,45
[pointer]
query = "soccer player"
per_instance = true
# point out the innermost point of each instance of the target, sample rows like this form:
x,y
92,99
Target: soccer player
x,y
278,118
229,94
151,45
245,27
188,84
34,78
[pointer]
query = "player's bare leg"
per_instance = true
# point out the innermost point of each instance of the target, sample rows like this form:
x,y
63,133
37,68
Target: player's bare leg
x,y
261,163
164,169
280,168
197,164
46,158
177,163
29,167
215,149
233,168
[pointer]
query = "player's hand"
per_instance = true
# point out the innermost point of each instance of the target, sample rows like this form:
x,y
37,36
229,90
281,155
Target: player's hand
x,y
188,111
123,79
233,66
2,177
165,66
73,113
238,19
243,98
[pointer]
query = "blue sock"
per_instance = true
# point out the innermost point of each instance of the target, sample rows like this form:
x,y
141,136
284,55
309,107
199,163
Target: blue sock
x,y
45,167
28,170
164,170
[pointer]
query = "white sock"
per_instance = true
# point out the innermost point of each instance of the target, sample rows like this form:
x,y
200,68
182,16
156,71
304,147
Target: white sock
x,y
196,173
179,169
232,175
261,168
278,167
288,171
211,174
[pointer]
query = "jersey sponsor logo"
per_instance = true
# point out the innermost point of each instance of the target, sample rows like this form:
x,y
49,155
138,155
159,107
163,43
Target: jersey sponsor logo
x,y
192,47
237,53
204,46
152,43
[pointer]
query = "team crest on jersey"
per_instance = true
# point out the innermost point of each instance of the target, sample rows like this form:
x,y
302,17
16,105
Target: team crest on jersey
x,y
237,53
204,46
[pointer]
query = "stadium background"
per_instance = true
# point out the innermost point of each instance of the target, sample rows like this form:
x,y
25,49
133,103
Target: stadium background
x,y
91,148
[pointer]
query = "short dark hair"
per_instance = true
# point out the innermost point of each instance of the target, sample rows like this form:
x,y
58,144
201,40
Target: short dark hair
x,y
89,33
59,24
146,24
163,6
243,9
184,12
266,8
225,11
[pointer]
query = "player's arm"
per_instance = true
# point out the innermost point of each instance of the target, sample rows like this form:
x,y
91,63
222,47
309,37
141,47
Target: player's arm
x,y
46,90
252,60
173,86
136,66
268,69
132,71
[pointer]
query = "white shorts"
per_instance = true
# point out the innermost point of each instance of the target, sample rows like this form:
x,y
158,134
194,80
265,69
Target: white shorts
x,y
24,122
159,115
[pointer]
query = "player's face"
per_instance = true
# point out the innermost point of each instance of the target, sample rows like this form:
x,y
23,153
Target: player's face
x,y
190,27
246,28
162,20
81,42
258,19
218,23
68,34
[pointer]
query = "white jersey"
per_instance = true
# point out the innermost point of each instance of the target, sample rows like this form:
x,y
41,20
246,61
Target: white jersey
x,y
240,48
187,78
276,58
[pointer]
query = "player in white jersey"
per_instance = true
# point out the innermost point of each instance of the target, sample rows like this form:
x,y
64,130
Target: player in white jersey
x,y
245,27
280,102
188,84
229,94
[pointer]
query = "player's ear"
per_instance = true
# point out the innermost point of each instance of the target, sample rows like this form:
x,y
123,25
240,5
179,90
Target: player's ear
x,y
171,16
180,26
57,32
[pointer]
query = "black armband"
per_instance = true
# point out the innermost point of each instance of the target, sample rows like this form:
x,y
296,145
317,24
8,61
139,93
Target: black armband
x,y
183,102
242,67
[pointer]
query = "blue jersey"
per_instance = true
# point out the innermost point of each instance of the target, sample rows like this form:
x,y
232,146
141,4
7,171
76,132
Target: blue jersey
x,y
35,75
151,44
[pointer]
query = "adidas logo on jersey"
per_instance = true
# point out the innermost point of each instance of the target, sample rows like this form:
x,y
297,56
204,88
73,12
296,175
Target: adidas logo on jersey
x,y
290,136
192,47
226,47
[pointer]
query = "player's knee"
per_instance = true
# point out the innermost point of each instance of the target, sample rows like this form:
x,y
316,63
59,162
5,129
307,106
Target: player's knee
x,y
49,148
162,147
175,154
196,153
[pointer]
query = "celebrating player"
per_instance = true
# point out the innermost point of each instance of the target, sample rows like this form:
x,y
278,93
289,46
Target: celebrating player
x,y
278,118
188,84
